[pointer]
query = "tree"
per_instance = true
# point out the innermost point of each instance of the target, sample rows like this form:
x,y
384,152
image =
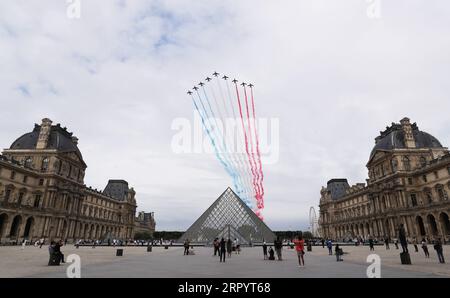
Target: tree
x,y
307,235
142,236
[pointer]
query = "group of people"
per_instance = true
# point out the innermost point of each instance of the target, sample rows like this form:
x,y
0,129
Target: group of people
x,y
269,253
224,248
55,254
437,245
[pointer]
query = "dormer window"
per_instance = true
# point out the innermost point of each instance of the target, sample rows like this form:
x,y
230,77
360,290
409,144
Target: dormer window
x,y
423,161
44,166
28,162
406,164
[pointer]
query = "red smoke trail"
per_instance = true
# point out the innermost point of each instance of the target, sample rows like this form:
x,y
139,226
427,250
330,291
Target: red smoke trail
x,y
246,141
257,147
258,193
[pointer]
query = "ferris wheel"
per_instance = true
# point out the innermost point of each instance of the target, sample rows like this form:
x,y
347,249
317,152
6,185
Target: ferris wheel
x,y
313,222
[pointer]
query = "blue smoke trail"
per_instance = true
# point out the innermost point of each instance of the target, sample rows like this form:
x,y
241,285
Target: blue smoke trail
x,y
232,172
208,132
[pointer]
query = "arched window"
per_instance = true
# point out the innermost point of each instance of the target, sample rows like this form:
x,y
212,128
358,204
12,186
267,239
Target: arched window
x,y
406,164
44,166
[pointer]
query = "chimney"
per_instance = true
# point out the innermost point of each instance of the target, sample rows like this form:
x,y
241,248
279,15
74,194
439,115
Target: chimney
x,y
44,134
408,133
75,140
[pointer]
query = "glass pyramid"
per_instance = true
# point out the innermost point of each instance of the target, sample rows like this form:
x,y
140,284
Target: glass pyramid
x,y
228,217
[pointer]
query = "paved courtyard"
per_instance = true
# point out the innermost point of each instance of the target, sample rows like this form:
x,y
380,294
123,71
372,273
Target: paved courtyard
x,y
137,262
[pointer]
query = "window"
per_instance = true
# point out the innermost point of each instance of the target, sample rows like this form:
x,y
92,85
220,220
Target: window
x,y
413,200
13,175
7,195
37,200
406,164
423,161
394,165
59,167
41,182
429,196
44,166
25,178
19,202
424,177
442,193
436,175
28,162
448,169
410,181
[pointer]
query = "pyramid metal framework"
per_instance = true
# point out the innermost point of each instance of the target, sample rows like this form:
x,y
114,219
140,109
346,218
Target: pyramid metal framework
x,y
228,217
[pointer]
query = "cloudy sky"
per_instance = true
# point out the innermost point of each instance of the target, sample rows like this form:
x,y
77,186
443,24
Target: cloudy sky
x,y
333,73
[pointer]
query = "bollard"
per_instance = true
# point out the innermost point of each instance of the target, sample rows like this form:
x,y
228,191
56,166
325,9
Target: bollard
x,y
119,252
149,248
166,247
405,258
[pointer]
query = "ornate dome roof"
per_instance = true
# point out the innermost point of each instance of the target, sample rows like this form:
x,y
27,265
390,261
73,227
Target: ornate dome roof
x,y
59,139
394,138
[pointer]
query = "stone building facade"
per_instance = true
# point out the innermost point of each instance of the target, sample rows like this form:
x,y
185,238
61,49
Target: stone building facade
x,y
42,192
409,183
145,223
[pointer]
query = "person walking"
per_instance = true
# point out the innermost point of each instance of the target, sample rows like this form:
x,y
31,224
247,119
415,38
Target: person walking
x,y
372,248
330,247
229,247
265,250
439,250
300,249
425,248
42,241
338,253
278,248
386,242
186,247
323,243
416,248
51,252
271,254
216,246
238,246
223,250
402,238
57,250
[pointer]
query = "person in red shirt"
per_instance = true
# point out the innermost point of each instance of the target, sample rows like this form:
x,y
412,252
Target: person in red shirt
x,y
300,248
